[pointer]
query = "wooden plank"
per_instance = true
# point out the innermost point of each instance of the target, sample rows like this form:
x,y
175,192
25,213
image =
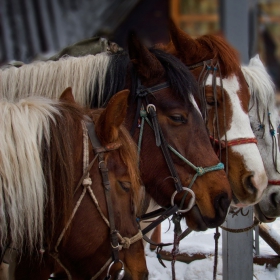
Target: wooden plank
x,y
268,260
269,237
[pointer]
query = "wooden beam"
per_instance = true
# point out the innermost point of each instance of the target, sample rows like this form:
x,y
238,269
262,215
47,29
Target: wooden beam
x,y
268,260
268,236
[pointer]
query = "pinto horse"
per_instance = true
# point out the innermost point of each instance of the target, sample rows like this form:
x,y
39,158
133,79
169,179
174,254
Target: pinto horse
x,y
77,198
264,122
224,101
162,91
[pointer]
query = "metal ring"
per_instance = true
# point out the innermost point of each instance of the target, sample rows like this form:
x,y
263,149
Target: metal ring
x,y
102,161
149,106
113,262
191,203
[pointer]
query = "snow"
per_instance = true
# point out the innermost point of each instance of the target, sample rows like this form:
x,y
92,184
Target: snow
x,y
203,242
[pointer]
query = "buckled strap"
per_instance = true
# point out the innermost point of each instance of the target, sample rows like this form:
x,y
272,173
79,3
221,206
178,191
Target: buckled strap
x,y
152,112
107,187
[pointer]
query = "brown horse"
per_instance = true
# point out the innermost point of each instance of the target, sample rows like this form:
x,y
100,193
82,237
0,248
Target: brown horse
x,y
77,200
162,90
224,100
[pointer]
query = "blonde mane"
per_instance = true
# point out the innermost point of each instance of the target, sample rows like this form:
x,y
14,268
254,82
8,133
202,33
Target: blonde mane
x,y
85,75
23,127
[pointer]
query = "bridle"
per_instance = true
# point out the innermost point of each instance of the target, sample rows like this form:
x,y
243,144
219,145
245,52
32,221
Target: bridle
x,y
117,242
146,112
213,67
272,132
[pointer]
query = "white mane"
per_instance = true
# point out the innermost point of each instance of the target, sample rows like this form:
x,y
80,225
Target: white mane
x,y
50,78
23,125
260,85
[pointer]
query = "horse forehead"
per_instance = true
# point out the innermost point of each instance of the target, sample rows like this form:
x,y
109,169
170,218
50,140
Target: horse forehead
x,y
232,86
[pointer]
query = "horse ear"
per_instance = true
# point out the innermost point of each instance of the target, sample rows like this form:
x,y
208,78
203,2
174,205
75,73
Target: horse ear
x,y
110,120
146,64
67,95
183,43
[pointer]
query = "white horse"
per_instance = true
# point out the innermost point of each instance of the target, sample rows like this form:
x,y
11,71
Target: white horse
x,y
264,120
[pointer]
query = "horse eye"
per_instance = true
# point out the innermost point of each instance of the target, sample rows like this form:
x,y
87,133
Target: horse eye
x,y
178,118
210,100
125,185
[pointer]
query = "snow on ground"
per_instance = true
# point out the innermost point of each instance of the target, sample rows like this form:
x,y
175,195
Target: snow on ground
x,y
203,269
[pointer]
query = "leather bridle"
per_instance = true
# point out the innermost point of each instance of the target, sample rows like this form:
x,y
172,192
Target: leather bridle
x,y
212,67
117,242
146,111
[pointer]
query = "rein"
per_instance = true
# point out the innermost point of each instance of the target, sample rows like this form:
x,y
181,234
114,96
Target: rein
x,y
115,237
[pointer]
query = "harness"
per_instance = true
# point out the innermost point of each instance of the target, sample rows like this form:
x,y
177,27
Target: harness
x,y
146,113
212,67
116,240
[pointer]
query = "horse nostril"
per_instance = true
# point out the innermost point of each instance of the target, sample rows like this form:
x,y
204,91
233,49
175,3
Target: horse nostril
x,y
249,184
275,199
222,202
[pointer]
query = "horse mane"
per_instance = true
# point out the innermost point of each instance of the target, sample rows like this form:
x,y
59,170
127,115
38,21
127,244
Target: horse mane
x,y
181,80
95,75
260,84
37,168
222,51
33,135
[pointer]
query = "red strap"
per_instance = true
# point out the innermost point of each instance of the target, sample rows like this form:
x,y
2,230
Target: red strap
x,y
274,182
234,142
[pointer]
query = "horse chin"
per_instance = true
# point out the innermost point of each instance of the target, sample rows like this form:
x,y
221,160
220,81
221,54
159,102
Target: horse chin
x,y
194,219
261,216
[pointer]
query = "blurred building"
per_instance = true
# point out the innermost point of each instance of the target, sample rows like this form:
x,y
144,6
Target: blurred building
x,y
29,28
198,17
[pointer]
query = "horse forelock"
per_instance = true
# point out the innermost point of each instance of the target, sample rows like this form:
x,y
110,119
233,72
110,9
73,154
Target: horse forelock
x,y
221,50
178,75
23,128
260,85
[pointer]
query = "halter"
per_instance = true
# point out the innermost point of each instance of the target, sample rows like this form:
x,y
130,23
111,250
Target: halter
x,y
209,66
142,93
115,237
273,134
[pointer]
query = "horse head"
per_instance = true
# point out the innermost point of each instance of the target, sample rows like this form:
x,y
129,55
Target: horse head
x,y
81,183
175,150
264,121
224,101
